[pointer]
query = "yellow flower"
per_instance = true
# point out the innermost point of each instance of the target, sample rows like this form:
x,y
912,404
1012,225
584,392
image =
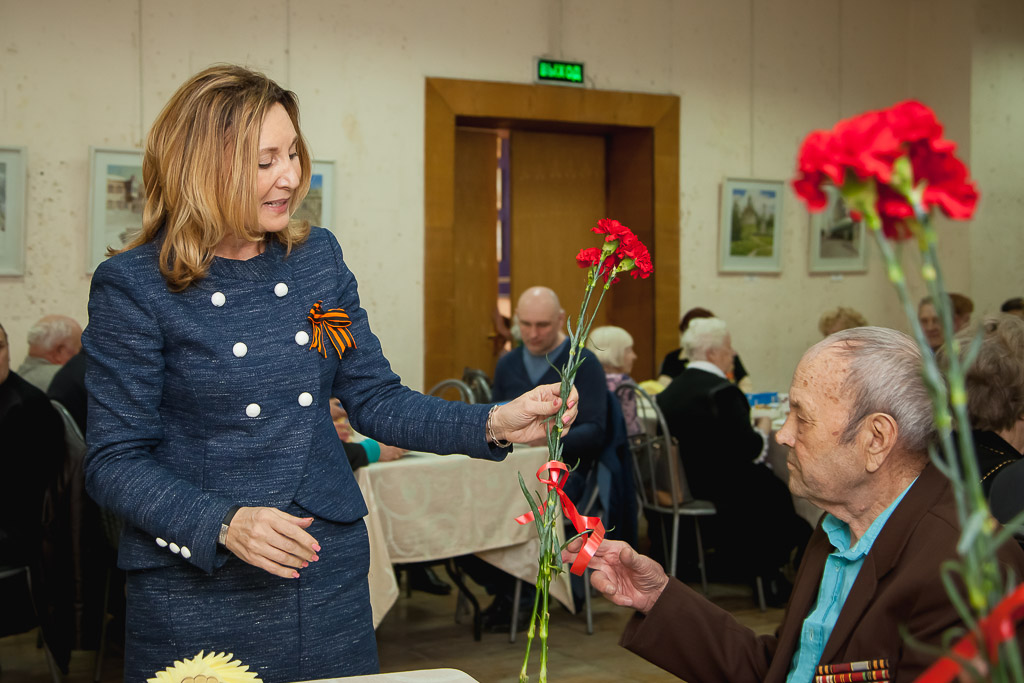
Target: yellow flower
x,y
213,668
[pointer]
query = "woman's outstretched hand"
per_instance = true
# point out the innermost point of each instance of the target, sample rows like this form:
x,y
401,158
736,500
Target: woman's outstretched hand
x,y
525,419
272,540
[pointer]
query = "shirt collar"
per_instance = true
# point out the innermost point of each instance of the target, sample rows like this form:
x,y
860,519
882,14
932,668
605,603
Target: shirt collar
x,y
838,531
707,366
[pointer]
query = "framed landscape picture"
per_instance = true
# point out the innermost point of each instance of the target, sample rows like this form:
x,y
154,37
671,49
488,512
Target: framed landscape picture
x,y
116,200
838,243
750,234
12,210
318,206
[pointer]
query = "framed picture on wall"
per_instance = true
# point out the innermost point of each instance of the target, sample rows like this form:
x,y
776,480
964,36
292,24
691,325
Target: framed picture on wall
x,y
318,206
750,234
116,200
12,210
838,243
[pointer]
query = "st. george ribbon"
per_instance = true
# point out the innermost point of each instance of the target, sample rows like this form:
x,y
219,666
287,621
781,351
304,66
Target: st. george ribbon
x,y
592,525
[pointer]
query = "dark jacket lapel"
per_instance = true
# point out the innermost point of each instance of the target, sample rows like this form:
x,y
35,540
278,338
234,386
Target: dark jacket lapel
x,y
885,554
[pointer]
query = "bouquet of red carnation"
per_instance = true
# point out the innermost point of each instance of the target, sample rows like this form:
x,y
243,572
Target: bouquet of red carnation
x,y
621,252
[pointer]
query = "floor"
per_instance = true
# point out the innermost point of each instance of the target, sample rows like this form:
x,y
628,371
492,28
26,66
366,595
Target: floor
x,y
421,632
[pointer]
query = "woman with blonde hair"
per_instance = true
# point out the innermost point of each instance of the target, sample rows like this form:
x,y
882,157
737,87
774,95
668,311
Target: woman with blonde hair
x,y
215,341
613,346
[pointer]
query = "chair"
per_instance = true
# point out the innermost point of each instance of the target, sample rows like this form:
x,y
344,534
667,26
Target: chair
x,y
661,482
10,572
465,393
479,383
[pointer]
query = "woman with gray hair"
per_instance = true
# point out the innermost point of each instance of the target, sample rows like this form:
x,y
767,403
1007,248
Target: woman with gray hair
x,y
613,346
995,395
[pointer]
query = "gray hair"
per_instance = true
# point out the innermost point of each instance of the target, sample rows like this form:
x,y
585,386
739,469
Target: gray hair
x,y
885,377
609,344
49,332
703,335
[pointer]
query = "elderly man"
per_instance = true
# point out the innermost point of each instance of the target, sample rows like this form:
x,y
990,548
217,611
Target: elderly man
x,y
52,342
859,428
756,527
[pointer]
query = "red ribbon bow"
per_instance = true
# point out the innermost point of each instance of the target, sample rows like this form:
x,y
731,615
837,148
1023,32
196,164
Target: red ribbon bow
x,y
333,324
590,525
997,627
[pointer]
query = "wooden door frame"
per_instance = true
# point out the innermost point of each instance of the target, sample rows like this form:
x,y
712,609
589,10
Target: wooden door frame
x,y
448,99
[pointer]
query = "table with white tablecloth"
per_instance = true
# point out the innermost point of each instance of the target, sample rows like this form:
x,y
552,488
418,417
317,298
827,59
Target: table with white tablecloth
x,y
421,676
425,507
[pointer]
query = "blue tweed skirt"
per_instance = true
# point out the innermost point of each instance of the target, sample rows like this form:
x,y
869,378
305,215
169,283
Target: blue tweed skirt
x,y
317,626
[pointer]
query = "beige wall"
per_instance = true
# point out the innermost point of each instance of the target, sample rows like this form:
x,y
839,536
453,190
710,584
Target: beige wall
x,y
754,78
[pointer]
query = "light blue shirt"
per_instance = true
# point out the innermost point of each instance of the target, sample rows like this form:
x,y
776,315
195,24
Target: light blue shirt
x,y
536,366
841,570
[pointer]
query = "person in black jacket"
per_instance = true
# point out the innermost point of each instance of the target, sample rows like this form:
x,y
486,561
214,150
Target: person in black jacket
x,y
723,458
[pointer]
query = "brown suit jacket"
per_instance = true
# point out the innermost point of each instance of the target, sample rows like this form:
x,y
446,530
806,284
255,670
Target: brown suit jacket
x,y
898,585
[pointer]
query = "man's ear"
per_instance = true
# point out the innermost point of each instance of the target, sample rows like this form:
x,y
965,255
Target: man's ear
x,y
880,431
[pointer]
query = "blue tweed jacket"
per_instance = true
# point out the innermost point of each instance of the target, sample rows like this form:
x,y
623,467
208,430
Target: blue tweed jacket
x,y
211,397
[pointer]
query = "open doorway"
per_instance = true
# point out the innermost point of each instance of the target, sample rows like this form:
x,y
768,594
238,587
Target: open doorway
x,y
570,157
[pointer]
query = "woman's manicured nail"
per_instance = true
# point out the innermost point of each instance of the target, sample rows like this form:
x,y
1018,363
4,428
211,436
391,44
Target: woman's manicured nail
x,y
295,575
316,547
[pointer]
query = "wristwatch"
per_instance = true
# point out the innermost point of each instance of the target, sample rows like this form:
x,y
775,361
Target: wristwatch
x,y
222,537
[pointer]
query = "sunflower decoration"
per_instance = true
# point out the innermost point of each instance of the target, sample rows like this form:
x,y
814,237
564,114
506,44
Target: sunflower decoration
x,y
211,668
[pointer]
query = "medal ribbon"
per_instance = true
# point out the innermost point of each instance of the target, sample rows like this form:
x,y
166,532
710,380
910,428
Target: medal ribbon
x,y
332,324
997,628
593,526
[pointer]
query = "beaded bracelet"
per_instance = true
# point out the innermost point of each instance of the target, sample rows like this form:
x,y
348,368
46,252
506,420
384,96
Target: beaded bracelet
x,y
490,430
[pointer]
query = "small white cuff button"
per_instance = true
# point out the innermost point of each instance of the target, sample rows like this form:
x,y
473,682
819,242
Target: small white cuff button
x,y
185,552
253,410
301,337
281,289
305,399
239,349
174,548
161,542
218,299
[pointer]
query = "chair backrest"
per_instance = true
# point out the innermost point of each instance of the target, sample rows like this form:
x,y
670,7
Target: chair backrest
x,y
479,382
659,473
465,393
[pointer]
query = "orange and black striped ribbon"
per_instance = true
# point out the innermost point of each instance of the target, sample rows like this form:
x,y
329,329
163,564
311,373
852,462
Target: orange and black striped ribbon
x,y
333,324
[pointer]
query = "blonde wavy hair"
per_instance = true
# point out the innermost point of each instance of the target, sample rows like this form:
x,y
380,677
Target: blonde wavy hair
x,y
200,165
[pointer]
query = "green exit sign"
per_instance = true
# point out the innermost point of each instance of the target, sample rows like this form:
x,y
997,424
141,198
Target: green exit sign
x,y
553,71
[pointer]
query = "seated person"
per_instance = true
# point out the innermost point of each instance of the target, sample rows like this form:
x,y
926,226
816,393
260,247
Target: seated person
x,y
545,344
68,389
1014,306
722,457
613,346
360,453
871,569
995,395
931,324
52,341
838,319
675,360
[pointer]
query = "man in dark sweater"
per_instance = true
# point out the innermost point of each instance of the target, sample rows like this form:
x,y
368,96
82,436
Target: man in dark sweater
x,y
546,347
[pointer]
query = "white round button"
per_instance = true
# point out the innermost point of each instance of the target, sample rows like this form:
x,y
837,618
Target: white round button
x,y
218,299
253,410
280,289
239,349
185,552
301,337
174,548
161,542
305,399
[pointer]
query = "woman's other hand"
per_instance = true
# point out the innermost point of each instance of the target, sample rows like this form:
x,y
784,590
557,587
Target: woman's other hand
x,y
524,420
272,540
